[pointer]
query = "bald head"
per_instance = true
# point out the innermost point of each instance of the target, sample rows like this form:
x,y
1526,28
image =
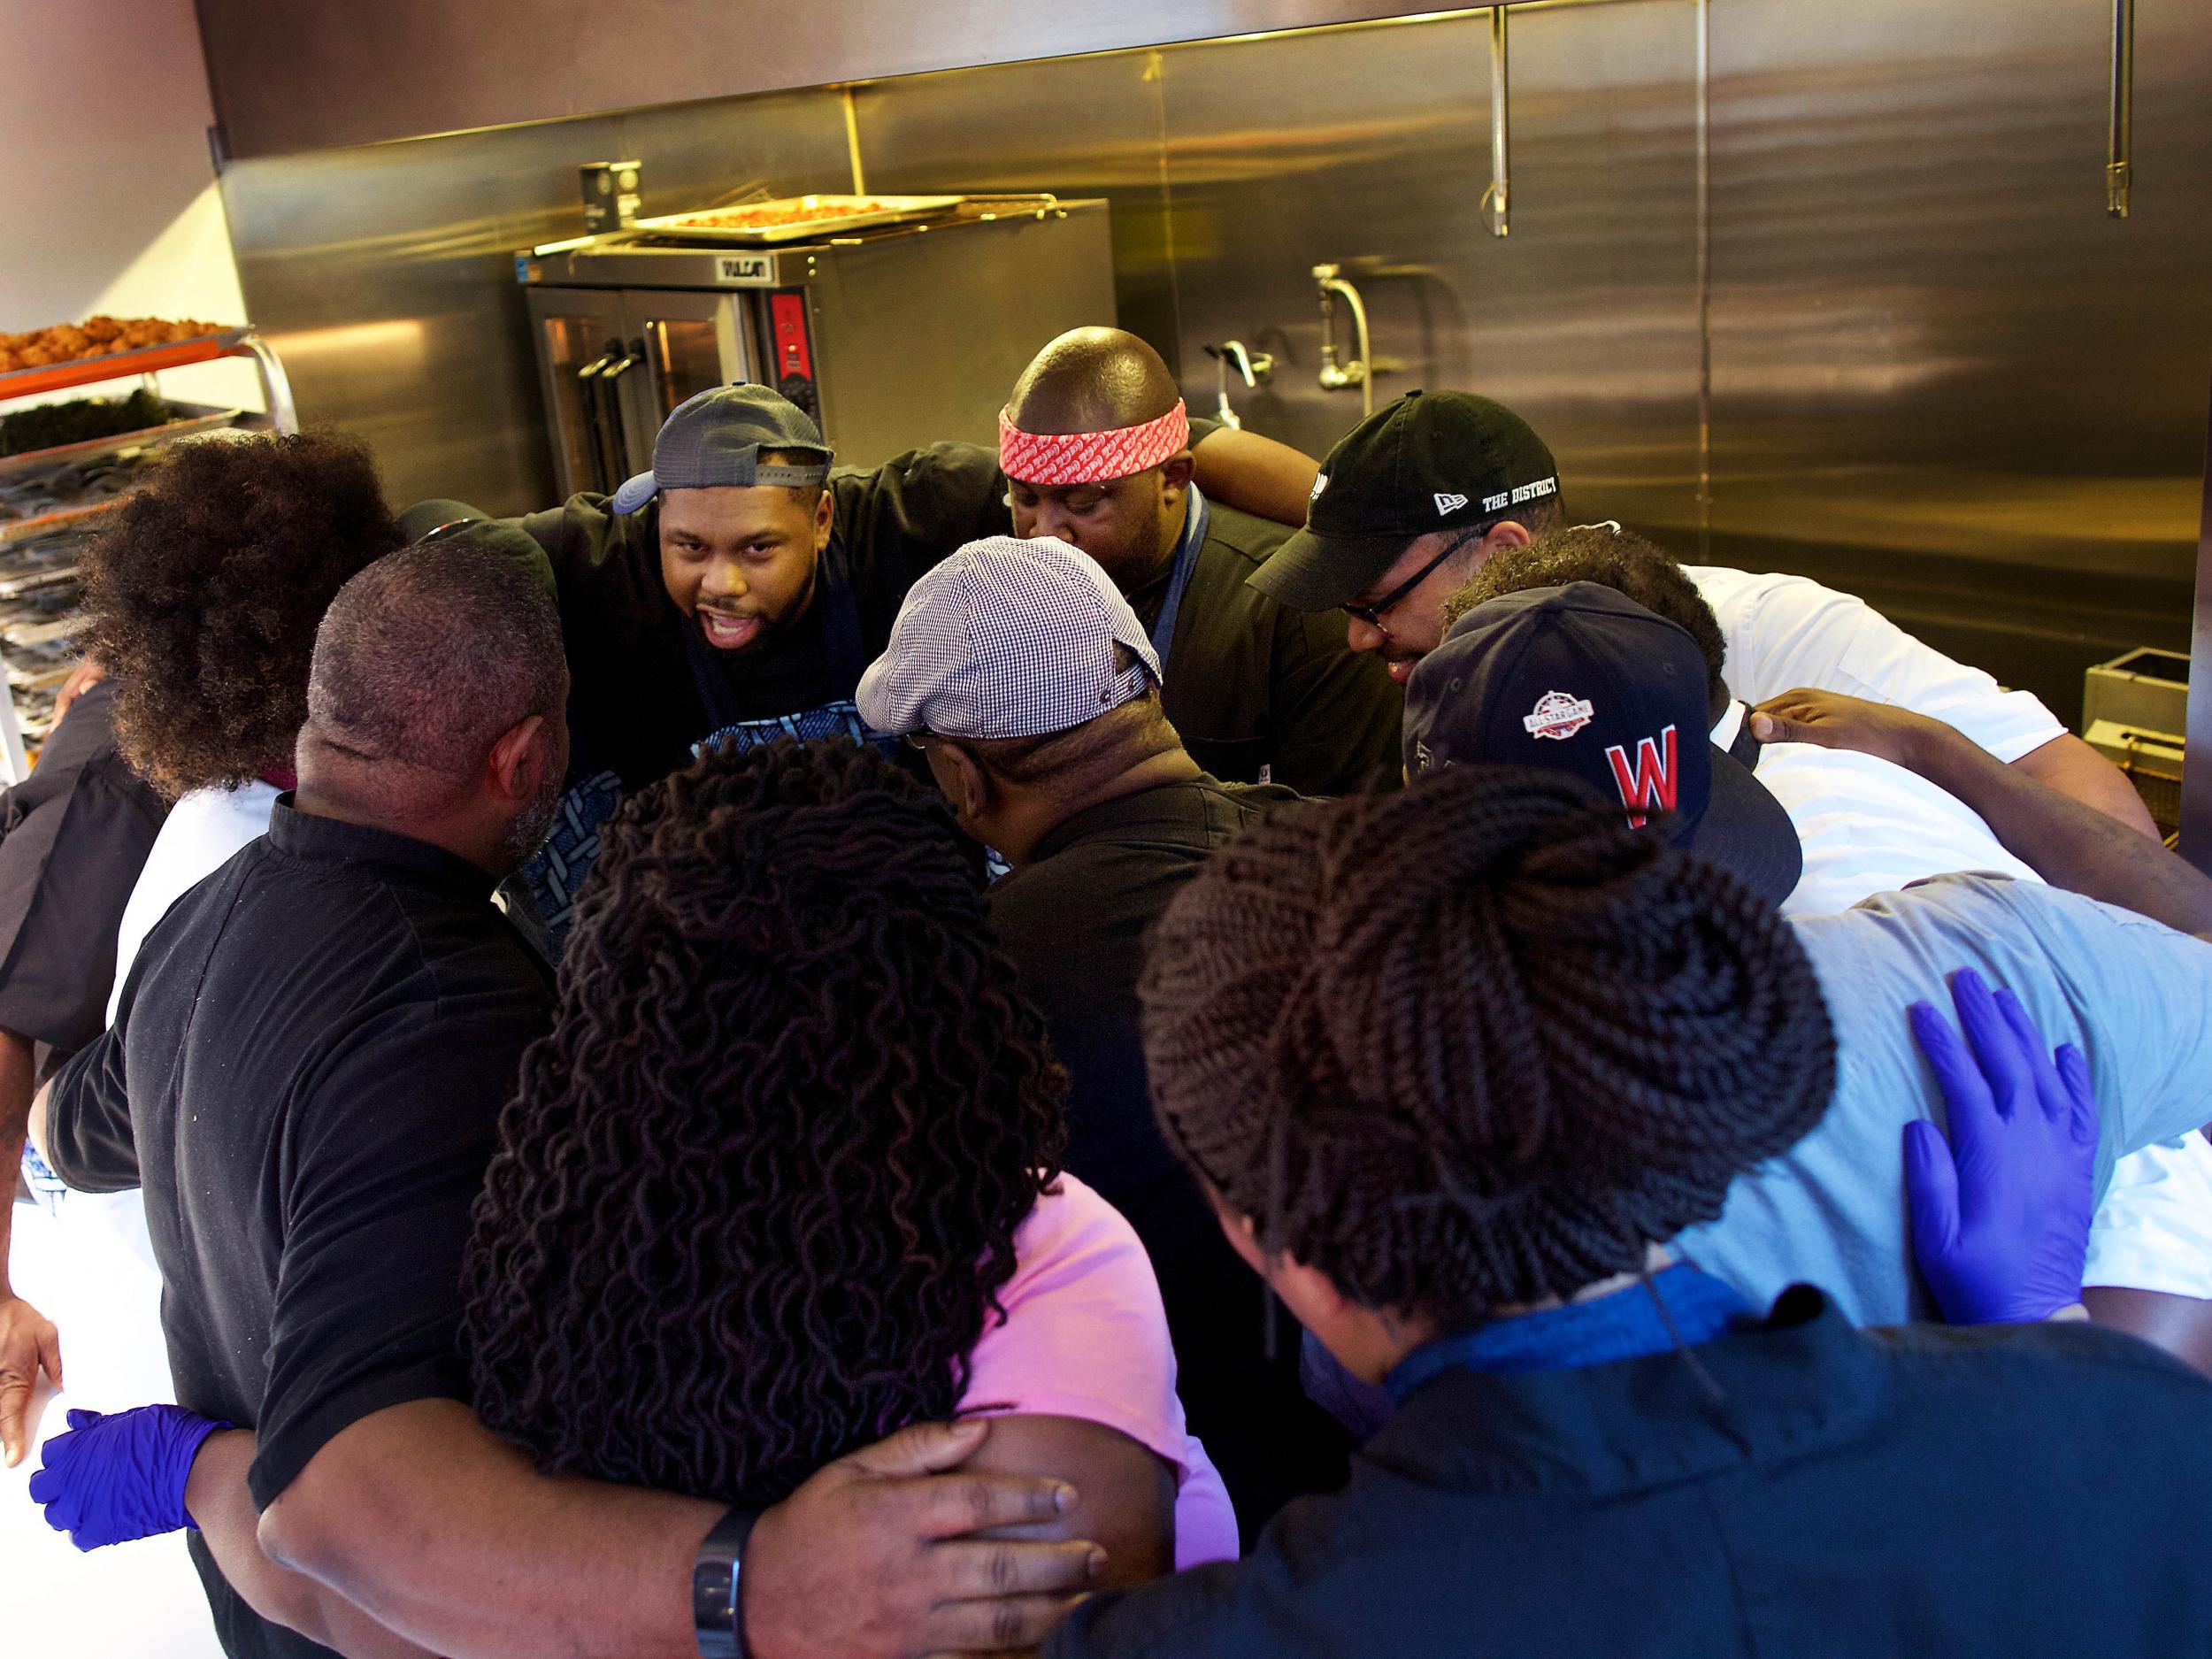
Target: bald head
x,y
427,666
1092,380
1101,379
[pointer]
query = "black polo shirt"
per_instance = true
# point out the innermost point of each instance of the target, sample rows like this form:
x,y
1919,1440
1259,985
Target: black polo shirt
x,y
305,1076
73,836
1074,920
2031,1490
636,708
1257,689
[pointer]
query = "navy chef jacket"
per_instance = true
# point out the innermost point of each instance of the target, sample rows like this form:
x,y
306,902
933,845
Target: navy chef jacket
x,y
2009,1492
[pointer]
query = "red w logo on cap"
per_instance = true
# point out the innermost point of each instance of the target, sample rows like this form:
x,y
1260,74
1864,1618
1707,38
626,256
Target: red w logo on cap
x,y
1651,787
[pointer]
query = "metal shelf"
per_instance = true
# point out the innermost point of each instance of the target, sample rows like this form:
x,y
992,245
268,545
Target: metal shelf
x,y
14,530
116,443
123,366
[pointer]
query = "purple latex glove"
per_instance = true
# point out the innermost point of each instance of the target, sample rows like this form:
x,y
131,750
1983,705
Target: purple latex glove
x,y
2000,1211
111,1479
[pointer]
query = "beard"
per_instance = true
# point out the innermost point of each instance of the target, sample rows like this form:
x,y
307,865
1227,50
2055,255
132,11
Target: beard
x,y
527,831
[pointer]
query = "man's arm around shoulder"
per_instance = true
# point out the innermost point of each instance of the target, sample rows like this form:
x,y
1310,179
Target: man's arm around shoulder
x,y
2071,767
445,1534
2069,844
1252,473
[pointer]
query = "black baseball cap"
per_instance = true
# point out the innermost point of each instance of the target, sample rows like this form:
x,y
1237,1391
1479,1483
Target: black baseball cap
x,y
1583,680
456,521
714,439
1430,461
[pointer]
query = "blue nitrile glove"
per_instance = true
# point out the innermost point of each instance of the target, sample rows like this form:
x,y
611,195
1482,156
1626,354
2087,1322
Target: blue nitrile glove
x,y
111,1479
2000,1212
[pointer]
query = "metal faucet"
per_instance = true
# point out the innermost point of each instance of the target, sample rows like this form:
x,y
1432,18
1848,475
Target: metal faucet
x,y
1253,367
1338,374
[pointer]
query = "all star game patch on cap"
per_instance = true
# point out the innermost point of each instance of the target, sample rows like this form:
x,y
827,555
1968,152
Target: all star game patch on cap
x,y
1559,716
1430,461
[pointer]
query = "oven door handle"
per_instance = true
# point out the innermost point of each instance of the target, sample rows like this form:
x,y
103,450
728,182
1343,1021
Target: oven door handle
x,y
589,378
617,427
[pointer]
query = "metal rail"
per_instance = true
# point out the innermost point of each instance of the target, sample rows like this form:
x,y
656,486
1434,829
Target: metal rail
x,y
2119,142
1495,200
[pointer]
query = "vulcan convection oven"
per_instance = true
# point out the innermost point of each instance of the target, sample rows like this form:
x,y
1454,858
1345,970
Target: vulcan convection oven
x,y
896,332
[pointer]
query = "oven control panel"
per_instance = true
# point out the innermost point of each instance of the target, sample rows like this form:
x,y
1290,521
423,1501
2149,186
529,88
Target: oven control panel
x,y
793,349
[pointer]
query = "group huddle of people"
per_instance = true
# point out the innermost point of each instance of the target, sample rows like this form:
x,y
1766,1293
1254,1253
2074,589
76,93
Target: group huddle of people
x,y
1130,1045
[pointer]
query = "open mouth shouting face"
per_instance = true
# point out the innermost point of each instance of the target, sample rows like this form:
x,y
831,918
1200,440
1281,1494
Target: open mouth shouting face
x,y
739,563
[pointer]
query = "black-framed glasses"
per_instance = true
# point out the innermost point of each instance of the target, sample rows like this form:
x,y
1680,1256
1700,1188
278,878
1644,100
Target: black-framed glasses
x,y
1373,615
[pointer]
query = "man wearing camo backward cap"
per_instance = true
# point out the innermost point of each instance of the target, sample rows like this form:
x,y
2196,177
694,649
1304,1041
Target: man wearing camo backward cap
x,y
1026,679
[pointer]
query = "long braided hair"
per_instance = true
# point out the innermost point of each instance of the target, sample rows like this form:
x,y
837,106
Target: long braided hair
x,y
757,1191
1476,1042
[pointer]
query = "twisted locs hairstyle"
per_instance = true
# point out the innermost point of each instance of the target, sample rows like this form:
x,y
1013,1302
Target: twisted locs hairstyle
x,y
1476,1042
757,1192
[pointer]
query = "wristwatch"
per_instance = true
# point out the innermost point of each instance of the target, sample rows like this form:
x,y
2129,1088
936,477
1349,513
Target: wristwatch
x,y
715,1575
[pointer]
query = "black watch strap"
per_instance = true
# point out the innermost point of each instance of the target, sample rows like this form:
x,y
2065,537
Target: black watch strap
x,y
716,1574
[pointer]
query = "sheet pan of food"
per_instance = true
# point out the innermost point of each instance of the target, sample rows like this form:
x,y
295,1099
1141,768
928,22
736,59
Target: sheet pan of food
x,y
793,217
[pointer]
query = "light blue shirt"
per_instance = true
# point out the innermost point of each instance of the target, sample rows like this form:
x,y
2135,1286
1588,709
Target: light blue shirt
x,y
2135,997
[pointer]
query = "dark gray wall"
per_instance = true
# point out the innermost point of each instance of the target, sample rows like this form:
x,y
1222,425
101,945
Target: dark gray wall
x,y
1941,376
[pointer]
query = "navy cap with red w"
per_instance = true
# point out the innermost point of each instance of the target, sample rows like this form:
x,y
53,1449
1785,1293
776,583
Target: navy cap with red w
x,y
1582,679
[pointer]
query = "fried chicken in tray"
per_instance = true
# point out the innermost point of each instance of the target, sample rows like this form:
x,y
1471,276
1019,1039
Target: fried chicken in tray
x,y
95,337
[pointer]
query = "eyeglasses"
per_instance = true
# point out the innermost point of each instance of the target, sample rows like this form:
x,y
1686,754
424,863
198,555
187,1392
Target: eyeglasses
x,y
920,739
1373,615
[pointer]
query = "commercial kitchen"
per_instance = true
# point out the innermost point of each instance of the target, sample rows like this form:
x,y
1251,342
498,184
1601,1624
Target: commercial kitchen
x,y
1858,359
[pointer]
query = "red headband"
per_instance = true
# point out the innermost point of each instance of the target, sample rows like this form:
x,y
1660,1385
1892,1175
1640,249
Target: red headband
x,y
1089,457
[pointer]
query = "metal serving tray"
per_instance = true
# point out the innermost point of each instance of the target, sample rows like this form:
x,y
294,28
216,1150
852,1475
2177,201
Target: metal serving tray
x,y
90,449
116,365
78,516
890,209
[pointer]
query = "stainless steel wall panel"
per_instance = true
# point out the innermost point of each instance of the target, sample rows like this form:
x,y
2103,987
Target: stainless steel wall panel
x,y
380,274
302,75
1942,377
1370,148
1084,128
1234,167
704,154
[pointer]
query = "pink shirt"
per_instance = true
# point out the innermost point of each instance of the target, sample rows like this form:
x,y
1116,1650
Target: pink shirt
x,y
1085,1336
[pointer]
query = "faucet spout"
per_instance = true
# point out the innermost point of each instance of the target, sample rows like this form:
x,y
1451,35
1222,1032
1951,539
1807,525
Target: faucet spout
x,y
1339,372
